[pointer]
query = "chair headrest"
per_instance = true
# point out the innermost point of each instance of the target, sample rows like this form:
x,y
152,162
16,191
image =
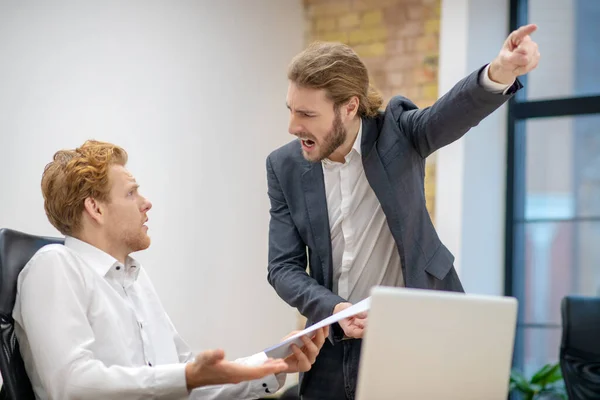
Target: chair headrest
x,y
16,249
581,323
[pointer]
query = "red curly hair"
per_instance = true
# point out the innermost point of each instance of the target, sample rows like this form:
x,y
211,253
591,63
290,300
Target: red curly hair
x,y
73,176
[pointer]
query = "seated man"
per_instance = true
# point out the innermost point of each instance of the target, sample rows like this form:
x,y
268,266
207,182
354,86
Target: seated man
x,y
88,320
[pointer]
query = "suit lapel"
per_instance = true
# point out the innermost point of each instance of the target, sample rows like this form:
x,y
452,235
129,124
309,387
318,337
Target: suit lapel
x,y
378,180
313,184
375,171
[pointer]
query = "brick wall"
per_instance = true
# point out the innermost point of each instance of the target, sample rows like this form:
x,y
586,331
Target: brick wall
x,y
398,40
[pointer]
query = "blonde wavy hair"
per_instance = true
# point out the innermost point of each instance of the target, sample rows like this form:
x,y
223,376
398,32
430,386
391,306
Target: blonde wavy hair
x,y
337,69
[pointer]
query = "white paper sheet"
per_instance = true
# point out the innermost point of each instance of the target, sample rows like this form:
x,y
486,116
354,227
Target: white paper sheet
x,y
283,349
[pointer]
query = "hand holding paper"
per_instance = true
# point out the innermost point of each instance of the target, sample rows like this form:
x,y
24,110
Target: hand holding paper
x,y
353,326
283,349
303,358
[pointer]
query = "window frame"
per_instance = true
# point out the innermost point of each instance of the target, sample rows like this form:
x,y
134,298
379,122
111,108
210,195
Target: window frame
x,y
519,110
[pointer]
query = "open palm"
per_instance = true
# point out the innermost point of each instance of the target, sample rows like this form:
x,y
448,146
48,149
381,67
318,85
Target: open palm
x,y
211,368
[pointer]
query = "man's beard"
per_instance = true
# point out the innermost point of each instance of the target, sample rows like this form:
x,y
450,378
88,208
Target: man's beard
x,y
134,240
138,242
334,139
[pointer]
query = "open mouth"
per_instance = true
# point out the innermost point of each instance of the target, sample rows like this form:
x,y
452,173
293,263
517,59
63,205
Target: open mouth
x,y
307,143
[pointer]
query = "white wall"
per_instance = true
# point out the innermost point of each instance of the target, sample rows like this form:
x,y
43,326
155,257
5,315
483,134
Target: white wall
x,y
195,91
471,173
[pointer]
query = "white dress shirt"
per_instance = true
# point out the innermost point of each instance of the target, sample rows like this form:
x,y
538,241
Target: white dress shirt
x,y
363,249
364,252
92,328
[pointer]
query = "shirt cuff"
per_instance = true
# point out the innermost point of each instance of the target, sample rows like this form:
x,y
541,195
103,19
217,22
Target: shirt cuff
x,y
169,381
267,385
490,85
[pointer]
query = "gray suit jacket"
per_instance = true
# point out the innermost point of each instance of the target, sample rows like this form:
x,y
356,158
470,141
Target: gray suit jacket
x,y
394,147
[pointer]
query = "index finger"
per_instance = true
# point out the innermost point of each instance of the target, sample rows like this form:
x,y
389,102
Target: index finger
x,y
523,31
321,335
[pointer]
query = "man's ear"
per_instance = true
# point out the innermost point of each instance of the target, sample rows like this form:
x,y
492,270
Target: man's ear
x,y
351,107
94,209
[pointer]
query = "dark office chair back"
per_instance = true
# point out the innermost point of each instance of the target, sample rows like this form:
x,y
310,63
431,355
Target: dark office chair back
x,y
16,249
580,347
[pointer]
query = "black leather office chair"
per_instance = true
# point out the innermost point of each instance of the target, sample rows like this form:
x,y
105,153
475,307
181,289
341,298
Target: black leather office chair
x,y
16,249
580,347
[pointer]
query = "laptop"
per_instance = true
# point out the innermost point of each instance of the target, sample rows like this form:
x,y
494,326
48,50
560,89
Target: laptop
x,y
427,345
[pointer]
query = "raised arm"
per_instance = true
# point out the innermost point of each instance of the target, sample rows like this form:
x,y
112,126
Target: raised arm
x,y
470,100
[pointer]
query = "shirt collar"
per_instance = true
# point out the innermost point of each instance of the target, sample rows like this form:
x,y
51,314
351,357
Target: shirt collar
x,y
97,259
358,140
355,146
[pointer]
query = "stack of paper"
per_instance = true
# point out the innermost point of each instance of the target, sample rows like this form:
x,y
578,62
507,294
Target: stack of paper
x,y
283,349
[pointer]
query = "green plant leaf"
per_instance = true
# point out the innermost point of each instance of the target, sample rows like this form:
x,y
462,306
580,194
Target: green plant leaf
x,y
535,387
541,374
516,376
550,373
547,380
525,388
520,383
554,392
556,375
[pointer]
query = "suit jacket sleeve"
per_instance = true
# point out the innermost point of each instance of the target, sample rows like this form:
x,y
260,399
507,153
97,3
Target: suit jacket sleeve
x,y
288,260
452,115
